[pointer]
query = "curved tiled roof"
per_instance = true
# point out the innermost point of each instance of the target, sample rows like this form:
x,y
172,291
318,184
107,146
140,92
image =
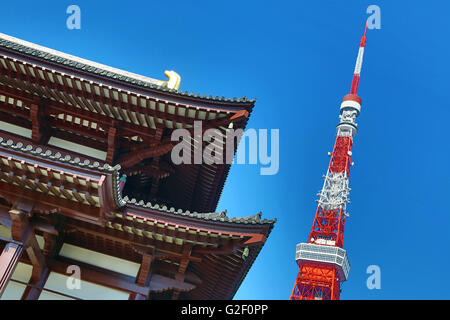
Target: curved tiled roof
x,y
63,59
212,216
125,201
48,154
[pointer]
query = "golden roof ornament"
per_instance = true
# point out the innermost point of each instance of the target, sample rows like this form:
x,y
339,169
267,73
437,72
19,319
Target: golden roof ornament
x,y
173,82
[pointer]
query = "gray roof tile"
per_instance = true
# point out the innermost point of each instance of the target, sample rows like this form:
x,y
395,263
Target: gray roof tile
x,y
61,58
125,201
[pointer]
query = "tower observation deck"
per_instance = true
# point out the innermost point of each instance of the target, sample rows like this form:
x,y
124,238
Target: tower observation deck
x,y
322,261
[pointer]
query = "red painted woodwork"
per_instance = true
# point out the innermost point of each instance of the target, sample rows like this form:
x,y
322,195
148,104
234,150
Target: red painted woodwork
x,y
179,256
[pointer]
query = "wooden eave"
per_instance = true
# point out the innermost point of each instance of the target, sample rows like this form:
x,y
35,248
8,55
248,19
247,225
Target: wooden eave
x,y
217,248
92,107
55,152
53,186
76,108
216,241
36,54
191,223
111,99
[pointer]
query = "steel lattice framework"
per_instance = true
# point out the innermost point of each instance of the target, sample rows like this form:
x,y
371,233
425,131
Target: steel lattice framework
x,y
323,264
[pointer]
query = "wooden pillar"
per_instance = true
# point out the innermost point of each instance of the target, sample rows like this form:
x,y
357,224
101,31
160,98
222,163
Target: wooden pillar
x,y
8,262
21,231
187,250
155,164
144,270
143,277
155,282
35,287
111,145
40,132
35,123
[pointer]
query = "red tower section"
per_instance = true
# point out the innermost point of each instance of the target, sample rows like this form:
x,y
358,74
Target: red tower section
x,y
323,263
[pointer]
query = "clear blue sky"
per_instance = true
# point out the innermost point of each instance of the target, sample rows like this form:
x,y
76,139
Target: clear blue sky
x,y
297,59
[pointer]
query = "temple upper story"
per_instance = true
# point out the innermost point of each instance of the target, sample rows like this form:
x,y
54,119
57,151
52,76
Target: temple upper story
x,y
86,179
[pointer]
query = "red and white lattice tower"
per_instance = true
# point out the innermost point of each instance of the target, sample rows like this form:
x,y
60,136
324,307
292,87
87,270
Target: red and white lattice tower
x,y
322,262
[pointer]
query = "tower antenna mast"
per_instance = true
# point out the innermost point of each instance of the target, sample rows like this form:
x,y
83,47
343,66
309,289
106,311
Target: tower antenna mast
x,y
359,61
323,263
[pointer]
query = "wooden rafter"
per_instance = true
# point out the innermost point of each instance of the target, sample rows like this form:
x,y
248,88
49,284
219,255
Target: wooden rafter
x,y
130,159
47,204
96,107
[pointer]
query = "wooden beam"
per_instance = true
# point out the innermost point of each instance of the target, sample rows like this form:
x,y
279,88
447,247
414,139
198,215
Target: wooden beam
x,y
171,269
103,278
257,239
130,159
152,172
9,109
158,283
67,126
55,107
180,276
161,284
66,207
222,250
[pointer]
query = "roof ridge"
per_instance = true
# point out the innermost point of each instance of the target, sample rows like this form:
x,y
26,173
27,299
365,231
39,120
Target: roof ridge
x,y
213,216
48,154
96,68
51,52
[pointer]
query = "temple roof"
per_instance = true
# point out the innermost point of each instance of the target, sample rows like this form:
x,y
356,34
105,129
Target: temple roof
x,y
212,216
53,155
130,224
47,94
123,202
54,56
118,113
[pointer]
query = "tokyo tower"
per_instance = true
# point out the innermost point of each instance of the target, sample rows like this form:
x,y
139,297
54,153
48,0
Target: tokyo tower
x,y
322,262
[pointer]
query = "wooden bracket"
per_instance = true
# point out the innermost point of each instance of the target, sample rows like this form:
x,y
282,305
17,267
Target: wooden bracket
x,y
111,145
23,232
130,159
40,131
